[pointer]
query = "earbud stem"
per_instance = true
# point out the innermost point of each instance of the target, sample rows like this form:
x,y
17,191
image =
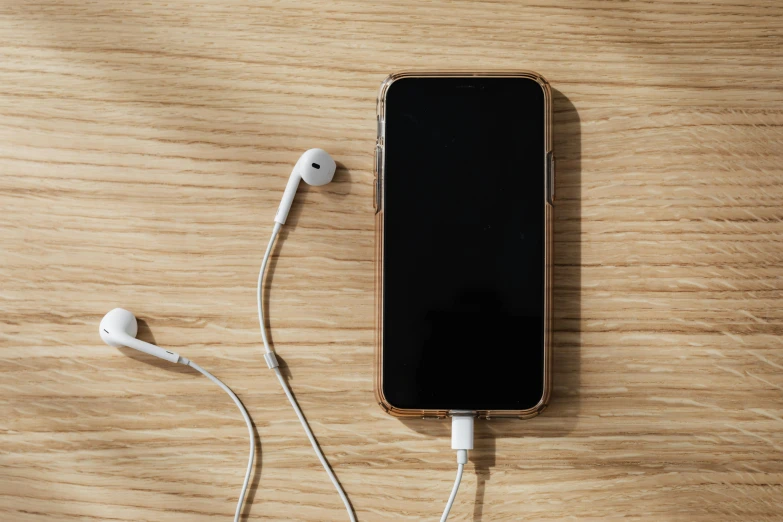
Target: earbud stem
x,y
288,197
151,349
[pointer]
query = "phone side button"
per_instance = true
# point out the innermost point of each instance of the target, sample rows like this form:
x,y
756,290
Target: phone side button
x,y
550,178
375,180
377,184
553,174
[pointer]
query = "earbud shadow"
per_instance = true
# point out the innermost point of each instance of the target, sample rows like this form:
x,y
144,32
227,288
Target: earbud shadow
x,y
341,183
145,334
562,414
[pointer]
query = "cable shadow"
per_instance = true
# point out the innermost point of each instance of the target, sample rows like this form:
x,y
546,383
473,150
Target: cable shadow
x,y
483,458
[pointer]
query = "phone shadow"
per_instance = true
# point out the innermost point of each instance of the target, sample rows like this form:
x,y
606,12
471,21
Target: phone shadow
x,y
562,414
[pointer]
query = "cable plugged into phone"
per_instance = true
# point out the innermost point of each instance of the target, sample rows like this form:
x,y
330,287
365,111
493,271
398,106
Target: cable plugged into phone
x,y
462,441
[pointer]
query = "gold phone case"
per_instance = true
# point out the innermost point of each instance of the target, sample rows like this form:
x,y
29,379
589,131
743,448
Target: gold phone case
x,y
378,204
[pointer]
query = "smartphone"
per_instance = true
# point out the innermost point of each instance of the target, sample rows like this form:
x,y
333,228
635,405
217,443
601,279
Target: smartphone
x,y
463,198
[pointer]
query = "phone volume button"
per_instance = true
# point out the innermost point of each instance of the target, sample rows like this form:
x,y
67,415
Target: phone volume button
x,y
378,185
550,178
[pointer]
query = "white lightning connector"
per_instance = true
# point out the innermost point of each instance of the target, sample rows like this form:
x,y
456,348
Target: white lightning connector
x,y
462,441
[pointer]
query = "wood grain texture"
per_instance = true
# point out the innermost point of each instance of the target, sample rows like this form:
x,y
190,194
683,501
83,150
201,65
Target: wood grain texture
x,y
144,147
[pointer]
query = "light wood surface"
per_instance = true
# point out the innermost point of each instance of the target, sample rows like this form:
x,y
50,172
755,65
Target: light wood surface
x,y
144,147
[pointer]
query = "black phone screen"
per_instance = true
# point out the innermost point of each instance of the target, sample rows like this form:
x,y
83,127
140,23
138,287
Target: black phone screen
x,y
463,279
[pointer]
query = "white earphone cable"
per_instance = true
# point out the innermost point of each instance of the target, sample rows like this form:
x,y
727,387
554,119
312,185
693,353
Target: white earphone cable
x,y
270,356
249,429
259,287
453,495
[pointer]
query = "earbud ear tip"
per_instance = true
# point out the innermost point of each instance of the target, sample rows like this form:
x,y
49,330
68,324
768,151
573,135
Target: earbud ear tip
x,y
317,167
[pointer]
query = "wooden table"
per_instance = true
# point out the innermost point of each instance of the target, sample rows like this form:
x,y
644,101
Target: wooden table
x,y
145,147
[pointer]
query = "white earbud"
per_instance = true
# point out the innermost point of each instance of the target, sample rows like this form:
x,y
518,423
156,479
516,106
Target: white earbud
x,y
119,328
316,167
